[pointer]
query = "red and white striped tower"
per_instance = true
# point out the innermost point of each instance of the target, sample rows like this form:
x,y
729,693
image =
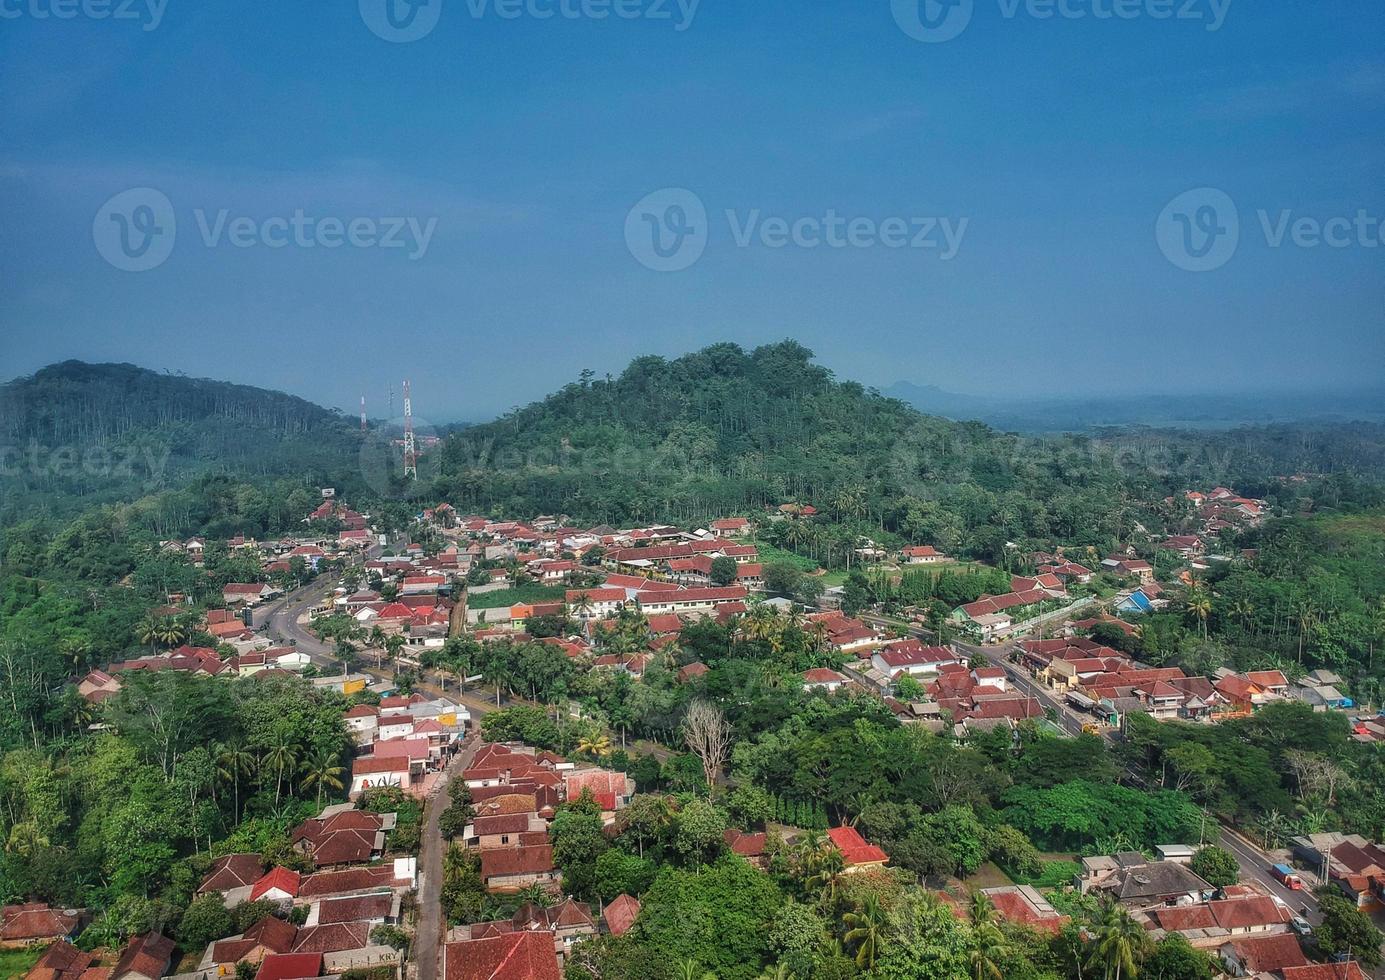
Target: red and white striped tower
x,y
410,447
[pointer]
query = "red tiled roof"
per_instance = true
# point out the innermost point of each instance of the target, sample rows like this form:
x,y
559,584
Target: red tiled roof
x,y
505,861
513,956
854,848
1266,954
290,966
621,914
281,879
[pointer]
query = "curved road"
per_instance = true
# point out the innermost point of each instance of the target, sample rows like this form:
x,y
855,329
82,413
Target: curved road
x,y
1254,862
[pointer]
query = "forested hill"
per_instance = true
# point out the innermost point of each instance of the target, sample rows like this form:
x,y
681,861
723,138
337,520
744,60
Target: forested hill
x,y
726,430
88,433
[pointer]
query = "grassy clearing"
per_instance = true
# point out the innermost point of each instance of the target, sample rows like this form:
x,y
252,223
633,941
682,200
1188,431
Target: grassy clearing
x,y
17,962
505,598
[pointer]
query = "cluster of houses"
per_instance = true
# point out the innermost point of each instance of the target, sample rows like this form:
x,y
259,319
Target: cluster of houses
x,y
404,741
1105,683
1250,932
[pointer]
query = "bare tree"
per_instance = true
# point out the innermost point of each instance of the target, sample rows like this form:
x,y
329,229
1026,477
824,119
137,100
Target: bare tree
x,y
708,736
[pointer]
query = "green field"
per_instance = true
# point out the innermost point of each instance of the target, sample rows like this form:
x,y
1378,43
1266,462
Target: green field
x,y
769,554
505,598
17,962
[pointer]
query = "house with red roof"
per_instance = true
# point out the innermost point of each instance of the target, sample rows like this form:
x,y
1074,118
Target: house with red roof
x,y
279,885
508,956
922,554
620,915
1026,906
290,966
913,658
730,527
33,923
857,854
146,957
506,870
612,790
823,678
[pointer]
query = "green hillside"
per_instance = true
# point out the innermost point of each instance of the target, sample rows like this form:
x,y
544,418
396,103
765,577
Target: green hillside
x,y
76,434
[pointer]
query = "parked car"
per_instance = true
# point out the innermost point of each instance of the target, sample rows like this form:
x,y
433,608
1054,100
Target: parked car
x,y
1300,925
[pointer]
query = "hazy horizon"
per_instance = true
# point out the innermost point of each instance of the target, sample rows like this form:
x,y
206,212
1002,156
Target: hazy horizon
x,y
1006,210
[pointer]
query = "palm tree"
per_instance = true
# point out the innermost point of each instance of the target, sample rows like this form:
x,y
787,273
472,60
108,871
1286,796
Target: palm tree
x,y
982,910
988,948
779,972
233,762
583,605
691,970
1119,943
595,744
323,770
279,757
1199,603
867,927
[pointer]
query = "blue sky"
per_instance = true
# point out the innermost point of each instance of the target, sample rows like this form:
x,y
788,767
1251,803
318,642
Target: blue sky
x,y
1054,143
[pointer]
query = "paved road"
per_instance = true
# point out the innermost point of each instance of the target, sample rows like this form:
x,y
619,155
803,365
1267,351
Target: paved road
x,y
1254,862
281,619
429,932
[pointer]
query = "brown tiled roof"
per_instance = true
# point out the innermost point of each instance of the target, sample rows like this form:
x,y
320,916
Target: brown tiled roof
x,y
22,923
621,914
348,880
354,908
500,861
332,937
147,955
232,871
516,956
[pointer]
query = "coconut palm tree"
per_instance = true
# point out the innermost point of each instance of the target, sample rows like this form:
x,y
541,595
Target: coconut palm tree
x,y
1119,943
1199,603
867,928
232,762
692,970
324,771
582,605
982,910
987,950
279,758
595,744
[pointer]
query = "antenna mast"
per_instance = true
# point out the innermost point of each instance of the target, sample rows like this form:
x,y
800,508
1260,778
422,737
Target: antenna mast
x,y
363,422
410,448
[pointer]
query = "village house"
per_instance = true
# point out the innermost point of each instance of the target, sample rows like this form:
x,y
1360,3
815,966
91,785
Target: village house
x,y
620,915
507,956
248,594
1137,883
857,854
506,870
922,554
912,658
146,957
34,923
